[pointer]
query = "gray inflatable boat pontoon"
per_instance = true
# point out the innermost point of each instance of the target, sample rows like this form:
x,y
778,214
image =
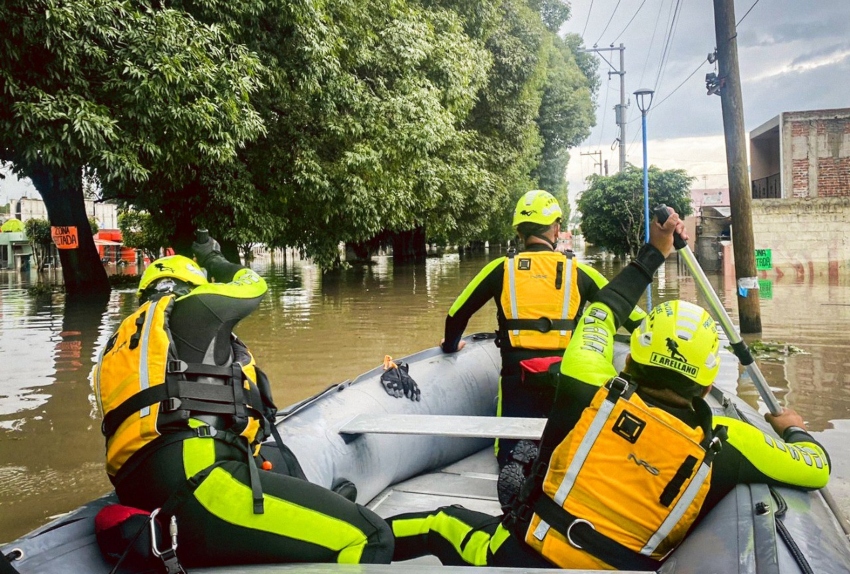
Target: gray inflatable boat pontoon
x,y
750,531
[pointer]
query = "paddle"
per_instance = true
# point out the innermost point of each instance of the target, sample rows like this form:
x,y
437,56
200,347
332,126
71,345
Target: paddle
x,y
739,347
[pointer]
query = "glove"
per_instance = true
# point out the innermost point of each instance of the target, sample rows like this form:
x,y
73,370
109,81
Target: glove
x,y
203,251
398,383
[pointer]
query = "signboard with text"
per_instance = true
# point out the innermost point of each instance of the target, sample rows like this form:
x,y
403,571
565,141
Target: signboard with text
x,y
764,260
765,289
65,237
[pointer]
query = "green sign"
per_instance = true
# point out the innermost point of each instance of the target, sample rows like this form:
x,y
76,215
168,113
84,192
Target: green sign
x,y
764,260
765,289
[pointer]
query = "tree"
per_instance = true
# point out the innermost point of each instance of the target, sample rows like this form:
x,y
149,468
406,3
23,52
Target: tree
x,y
140,232
38,235
122,91
612,207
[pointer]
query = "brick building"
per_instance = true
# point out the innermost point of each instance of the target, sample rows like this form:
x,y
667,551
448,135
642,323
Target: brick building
x,y
802,154
800,172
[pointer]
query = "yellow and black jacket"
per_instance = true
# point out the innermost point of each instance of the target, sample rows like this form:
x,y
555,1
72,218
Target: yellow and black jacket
x,y
748,455
539,303
144,389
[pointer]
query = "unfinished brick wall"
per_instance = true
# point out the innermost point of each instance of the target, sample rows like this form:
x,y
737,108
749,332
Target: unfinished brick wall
x,y
819,153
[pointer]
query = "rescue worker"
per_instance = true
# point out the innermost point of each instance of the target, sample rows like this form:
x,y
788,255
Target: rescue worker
x,y
625,464
539,293
183,417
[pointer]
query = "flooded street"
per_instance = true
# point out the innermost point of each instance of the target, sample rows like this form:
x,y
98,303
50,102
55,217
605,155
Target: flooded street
x,y
313,330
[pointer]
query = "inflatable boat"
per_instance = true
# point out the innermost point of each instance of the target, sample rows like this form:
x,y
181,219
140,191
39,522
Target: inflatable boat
x,y
406,456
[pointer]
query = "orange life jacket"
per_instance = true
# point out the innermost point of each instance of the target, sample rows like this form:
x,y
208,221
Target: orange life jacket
x,y
143,389
624,486
540,299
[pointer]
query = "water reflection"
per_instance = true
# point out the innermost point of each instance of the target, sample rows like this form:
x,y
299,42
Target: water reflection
x,y
314,329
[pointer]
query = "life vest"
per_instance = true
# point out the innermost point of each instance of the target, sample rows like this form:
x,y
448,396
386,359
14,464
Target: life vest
x,y
540,299
144,390
624,486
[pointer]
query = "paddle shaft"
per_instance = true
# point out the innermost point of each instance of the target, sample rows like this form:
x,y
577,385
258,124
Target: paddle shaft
x,y
739,347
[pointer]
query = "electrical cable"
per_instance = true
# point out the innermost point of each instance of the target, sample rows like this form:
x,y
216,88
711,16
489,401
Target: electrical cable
x,y
665,56
630,22
609,22
747,13
589,10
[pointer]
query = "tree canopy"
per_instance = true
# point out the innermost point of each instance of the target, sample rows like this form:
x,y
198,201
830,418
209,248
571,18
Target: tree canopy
x,y
612,207
123,90
364,120
381,121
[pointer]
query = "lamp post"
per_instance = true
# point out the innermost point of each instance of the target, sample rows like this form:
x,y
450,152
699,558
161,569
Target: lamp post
x,y
643,105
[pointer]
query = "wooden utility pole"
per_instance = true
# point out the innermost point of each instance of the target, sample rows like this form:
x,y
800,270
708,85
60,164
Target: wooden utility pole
x,y
743,244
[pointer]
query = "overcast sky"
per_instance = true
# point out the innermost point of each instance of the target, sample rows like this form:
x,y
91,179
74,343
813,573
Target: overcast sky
x,y
793,54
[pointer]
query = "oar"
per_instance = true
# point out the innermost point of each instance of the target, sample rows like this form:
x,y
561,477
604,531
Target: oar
x,y
739,347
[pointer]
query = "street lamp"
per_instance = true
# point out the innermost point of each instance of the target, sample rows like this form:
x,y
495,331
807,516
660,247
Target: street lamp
x,y
643,104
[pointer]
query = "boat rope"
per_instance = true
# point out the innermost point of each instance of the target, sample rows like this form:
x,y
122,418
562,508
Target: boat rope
x,y
6,562
785,534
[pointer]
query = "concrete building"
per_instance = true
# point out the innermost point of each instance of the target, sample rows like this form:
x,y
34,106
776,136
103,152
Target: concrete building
x,y
800,172
802,155
106,214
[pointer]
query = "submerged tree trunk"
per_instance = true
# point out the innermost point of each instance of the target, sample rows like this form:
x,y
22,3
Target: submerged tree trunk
x,y
62,192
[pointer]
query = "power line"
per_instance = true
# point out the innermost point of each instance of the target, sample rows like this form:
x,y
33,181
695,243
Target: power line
x,y
609,22
665,55
745,15
630,21
691,75
588,19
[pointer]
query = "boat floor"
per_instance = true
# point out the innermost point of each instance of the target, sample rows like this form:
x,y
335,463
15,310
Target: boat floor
x,y
470,482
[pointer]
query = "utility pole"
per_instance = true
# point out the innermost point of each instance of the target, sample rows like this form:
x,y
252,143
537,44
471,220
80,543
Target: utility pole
x,y
595,161
619,109
743,244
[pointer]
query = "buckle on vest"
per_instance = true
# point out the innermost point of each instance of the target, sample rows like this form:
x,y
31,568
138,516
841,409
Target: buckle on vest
x,y
170,405
544,324
177,367
570,527
206,431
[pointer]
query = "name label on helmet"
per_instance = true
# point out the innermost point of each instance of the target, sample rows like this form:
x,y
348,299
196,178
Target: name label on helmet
x,y
675,364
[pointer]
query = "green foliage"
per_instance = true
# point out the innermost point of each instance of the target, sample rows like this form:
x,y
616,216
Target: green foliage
x,y
38,234
139,231
93,225
612,207
366,119
120,87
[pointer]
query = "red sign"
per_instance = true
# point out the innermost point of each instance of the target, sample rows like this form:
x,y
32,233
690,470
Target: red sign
x,y
65,237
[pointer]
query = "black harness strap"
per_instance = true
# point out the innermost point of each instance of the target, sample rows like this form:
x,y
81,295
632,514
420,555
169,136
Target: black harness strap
x,y
584,537
543,324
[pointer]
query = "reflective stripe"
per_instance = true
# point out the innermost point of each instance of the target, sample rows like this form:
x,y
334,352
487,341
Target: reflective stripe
x,y
567,291
512,289
97,368
144,373
678,511
582,452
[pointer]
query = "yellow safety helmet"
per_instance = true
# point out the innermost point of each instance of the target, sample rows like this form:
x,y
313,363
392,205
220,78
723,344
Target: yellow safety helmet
x,y
176,267
679,336
537,206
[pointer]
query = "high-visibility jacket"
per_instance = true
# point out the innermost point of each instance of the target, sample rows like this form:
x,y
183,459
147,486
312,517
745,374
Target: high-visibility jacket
x,y
144,390
624,486
540,299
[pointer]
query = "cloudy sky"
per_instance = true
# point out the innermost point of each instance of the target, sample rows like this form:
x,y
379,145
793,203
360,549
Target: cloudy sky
x,y
793,54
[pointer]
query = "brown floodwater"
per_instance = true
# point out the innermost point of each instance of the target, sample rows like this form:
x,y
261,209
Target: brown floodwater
x,y
316,329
